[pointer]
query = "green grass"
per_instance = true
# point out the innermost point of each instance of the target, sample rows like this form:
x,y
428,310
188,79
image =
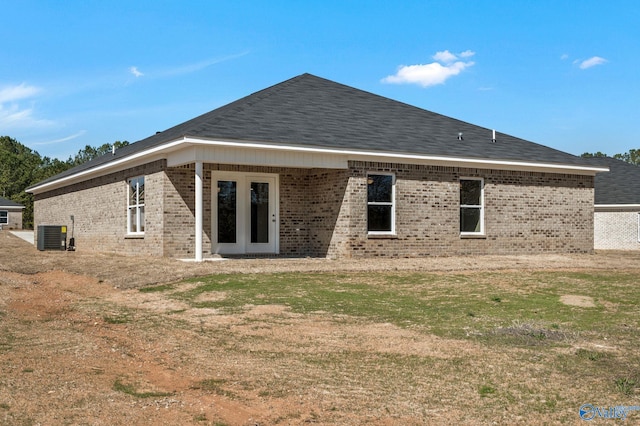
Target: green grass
x,y
157,288
446,305
122,317
486,390
215,386
131,390
507,340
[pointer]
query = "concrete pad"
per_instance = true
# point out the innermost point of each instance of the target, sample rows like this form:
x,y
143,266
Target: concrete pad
x,y
28,236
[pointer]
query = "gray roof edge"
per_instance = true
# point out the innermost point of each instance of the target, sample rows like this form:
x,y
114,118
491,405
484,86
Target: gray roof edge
x,y
6,203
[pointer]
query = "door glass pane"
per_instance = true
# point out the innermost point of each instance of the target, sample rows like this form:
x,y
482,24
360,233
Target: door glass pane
x,y
227,211
259,212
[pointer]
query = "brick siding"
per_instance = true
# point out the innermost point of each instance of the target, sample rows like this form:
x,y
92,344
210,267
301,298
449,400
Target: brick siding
x,y
14,218
616,230
323,212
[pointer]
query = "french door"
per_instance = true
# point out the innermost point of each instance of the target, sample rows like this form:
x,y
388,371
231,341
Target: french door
x,y
244,213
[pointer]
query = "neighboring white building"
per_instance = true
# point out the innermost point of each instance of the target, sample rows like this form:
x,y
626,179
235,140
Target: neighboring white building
x,y
10,214
617,206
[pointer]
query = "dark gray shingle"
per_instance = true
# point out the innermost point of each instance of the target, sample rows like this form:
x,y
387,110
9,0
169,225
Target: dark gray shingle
x,y
314,112
8,203
621,185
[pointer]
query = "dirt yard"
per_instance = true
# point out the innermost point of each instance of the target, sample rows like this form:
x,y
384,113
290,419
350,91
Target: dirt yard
x,y
70,352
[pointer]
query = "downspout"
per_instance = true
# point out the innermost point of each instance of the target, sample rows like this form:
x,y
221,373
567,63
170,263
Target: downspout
x,y
198,249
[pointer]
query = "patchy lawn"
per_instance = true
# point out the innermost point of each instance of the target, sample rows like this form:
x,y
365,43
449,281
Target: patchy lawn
x,y
347,347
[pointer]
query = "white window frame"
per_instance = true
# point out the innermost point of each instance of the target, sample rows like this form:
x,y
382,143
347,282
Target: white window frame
x,y
5,220
480,206
137,207
392,203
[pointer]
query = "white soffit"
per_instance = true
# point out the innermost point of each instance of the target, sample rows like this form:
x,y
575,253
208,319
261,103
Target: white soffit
x,y
188,149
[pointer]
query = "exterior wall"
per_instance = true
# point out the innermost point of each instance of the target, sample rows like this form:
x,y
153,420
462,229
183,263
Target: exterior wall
x,y
99,207
14,218
616,230
323,212
525,212
294,218
179,237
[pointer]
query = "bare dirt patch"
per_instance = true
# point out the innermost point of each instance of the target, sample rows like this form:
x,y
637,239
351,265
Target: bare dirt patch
x,y
136,271
80,345
574,300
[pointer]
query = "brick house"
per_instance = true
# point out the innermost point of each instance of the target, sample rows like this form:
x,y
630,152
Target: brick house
x,y
617,205
10,214
310,167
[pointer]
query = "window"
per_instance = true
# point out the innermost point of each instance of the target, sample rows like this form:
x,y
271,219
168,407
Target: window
x,y
471,206
135,206
380,204
4,217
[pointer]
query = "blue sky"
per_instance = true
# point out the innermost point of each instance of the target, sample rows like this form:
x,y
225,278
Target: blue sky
x,y
561,73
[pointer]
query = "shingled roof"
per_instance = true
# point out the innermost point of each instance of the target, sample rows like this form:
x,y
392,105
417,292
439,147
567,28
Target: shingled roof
x,y
309,111
8,203
621,185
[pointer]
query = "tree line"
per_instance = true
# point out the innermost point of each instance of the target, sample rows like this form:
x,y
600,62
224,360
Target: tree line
x,y
21,167
632,156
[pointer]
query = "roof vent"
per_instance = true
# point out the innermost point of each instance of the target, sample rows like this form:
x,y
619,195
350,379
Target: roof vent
x,y
113,149
460,136
493,136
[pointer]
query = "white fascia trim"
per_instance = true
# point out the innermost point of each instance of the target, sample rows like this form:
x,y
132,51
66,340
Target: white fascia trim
x,y
617,206
471,162
108,167
375,156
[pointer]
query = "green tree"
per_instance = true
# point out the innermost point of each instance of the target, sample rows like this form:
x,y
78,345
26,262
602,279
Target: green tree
x,y
593,154
88,153
632,156
21,167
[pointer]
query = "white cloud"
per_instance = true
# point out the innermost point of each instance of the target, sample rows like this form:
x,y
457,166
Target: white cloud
x,y
14,93
135,72
447,65
445,57
15,117
197,66
564,57
592,62
12,114
67,138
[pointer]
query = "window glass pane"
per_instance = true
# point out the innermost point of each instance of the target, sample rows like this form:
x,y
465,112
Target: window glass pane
x,y
470,191
4,216
379,218
141,213
259,212
133,183
469,219
132,220
141,190
379,188
227,211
